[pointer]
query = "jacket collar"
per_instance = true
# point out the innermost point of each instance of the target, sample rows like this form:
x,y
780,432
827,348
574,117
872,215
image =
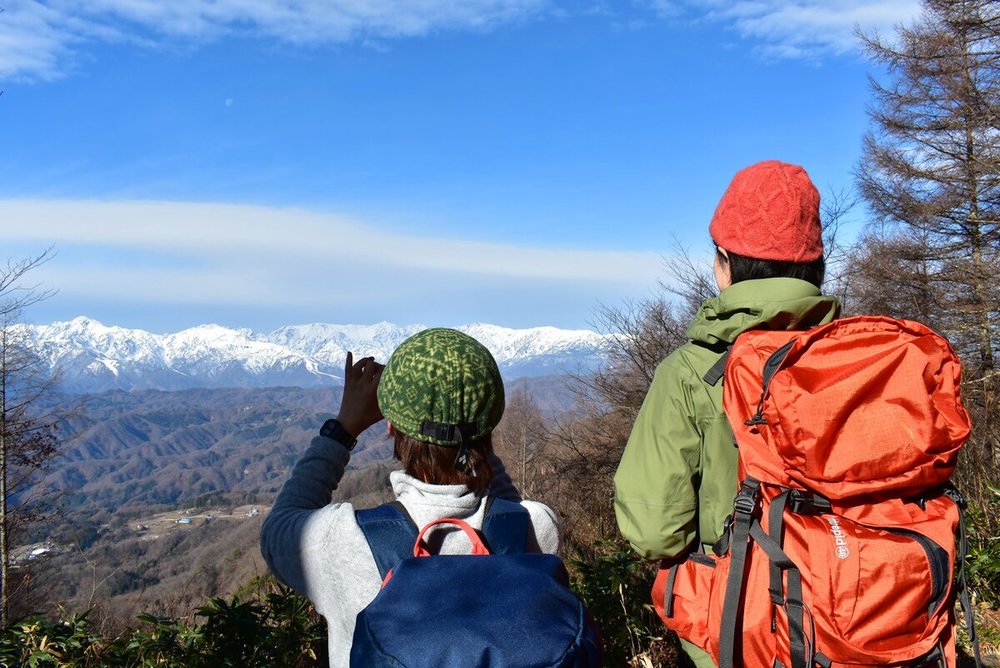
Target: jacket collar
x,y
771,303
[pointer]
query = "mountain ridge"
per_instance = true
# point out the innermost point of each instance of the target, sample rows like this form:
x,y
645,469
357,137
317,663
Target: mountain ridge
x,y
92,357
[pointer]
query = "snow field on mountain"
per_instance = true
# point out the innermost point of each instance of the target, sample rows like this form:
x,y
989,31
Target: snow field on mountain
x,y
91,356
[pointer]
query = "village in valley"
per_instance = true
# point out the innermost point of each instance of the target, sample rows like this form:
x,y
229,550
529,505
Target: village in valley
x,y
151,528
161,523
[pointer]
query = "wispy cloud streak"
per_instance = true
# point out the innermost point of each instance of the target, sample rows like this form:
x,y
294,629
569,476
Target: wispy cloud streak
x,y
221,253
797,28
37,38
230,228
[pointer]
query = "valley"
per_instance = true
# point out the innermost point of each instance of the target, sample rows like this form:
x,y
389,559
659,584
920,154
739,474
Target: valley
x,y
157,497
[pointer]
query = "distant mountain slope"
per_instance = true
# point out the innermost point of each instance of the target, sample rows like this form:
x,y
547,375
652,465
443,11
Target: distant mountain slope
x,y
92,357
152,447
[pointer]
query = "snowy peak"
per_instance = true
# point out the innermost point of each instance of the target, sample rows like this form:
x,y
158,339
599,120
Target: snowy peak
x,y
516,344
331,342
93,357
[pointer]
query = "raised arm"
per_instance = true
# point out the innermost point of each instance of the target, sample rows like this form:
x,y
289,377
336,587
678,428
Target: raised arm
x,y
317,473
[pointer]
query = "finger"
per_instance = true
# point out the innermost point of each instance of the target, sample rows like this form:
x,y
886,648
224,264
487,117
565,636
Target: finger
x,y
371,368
358,370
349,364
361,367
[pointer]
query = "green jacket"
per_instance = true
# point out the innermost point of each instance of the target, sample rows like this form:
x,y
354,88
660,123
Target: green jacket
x,y
677,478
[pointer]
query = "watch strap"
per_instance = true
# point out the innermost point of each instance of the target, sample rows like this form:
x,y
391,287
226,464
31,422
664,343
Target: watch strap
x,y
333,429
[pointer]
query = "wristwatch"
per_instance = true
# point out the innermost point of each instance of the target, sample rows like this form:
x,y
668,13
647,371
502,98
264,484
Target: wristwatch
x,y
333,429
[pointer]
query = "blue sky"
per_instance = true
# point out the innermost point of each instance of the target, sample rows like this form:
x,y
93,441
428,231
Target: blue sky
x,y
518,162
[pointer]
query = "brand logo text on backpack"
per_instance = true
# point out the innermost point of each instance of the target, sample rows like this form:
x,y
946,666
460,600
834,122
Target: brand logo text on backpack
x,y
839,538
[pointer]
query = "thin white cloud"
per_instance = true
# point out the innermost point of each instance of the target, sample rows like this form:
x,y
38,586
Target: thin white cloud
x,y
37,39
222,253
30,44
221,284
798,28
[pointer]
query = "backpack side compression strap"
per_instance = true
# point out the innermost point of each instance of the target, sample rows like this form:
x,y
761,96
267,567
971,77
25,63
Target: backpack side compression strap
x,y
746,530
744,506
390,532
962,581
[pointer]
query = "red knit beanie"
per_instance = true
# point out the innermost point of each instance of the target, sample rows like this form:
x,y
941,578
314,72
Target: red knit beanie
x,y
770,212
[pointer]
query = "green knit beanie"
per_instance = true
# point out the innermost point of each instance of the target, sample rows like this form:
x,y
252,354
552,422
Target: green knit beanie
x,y
443,387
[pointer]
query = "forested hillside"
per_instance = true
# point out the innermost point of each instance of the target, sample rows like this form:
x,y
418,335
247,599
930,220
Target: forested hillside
x,y
173,448
144,448
157,497
163,559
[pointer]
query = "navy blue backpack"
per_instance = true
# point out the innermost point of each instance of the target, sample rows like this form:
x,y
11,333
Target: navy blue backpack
x,y
498,607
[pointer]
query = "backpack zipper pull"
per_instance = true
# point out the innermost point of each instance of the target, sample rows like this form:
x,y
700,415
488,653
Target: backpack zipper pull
x,y
758,417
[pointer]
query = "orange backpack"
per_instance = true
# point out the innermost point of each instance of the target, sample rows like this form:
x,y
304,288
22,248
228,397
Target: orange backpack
x,y
846,543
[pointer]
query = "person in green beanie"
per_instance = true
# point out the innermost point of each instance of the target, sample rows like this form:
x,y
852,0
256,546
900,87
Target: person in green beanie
x,y
442,396
676,480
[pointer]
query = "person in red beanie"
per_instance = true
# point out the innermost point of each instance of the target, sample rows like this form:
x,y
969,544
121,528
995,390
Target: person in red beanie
x,y
675,483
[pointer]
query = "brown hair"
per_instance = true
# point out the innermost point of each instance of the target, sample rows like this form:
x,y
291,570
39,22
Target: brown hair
x,y
435,464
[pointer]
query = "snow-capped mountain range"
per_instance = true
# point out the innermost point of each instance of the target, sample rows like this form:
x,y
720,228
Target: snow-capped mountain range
x,y
92,357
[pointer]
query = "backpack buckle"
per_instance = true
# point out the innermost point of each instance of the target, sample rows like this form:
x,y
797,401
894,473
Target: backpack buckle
x,y
807,503
746,499
721,546
956,496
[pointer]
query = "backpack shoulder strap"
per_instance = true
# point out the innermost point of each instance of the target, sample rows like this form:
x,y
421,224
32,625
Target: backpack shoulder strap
x,y
505,526
390,532
718,370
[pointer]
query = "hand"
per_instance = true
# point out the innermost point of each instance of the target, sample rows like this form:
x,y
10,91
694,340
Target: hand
x,y
359,405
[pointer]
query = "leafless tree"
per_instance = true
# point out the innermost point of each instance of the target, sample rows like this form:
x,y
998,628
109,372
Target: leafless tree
x,y
930,170
27,433
930,173
519,440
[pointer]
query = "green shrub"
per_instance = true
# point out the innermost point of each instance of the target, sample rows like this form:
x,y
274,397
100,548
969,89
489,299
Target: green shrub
x,y
35,641
263,626
614,584
984,549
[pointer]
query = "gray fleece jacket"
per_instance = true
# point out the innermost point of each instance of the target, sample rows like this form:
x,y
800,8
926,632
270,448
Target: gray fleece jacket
x,y
317,548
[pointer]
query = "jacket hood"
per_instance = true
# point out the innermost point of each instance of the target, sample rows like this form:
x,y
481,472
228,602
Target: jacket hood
x,y
770,303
